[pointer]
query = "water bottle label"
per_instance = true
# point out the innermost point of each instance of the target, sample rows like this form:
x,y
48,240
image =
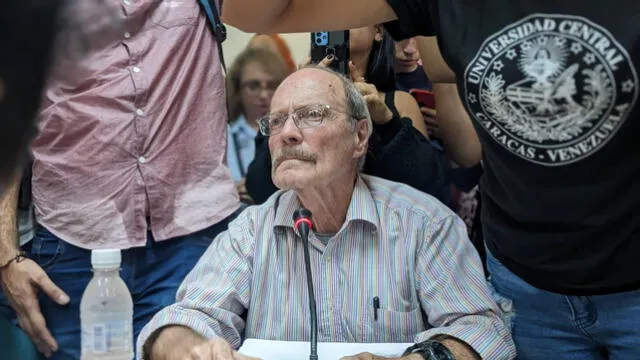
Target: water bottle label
x,y
107,337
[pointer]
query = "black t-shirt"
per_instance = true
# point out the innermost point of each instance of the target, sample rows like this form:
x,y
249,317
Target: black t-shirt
x,y
553,89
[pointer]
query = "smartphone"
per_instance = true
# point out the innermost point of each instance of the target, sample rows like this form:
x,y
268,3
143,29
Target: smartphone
x,y
334,43
424,97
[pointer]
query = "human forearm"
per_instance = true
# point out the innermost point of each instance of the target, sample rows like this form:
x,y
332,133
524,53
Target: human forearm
x,y
460,349
277,16
435,67
264,13
172,343
8,222
455,127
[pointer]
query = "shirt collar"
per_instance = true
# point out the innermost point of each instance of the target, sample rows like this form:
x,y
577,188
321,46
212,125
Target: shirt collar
x,y
241,126
361,208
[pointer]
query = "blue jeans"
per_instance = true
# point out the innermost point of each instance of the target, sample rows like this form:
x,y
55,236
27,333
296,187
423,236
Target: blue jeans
x,y
153,274
547,325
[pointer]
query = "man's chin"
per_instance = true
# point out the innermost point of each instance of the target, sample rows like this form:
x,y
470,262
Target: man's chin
x,y
288,179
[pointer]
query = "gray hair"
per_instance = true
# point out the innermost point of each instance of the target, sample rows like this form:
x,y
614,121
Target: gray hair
x,y
356,105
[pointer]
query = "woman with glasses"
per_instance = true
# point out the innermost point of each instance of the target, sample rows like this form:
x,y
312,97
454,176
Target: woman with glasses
x,y
252,78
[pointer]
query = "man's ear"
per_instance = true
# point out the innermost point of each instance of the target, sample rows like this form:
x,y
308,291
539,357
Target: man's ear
x,y
362,137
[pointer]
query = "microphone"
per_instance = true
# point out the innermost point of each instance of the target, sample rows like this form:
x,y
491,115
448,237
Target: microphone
x,y
302,222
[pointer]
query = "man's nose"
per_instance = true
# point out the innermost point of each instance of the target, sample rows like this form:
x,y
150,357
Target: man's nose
x,y
290,132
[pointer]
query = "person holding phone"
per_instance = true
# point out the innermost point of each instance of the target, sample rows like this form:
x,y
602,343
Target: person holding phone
x,y
372,68
552,88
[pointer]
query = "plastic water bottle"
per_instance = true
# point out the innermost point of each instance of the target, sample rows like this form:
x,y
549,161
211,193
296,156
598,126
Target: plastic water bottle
x,y
106,311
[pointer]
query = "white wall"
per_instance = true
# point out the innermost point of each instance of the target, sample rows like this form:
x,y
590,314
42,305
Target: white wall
x,y
237,40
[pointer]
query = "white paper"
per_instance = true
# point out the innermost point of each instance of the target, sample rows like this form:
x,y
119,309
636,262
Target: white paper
x,y
299,350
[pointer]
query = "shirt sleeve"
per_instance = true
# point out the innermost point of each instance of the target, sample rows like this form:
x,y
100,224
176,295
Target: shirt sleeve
x,y
214,296
415,17
455,295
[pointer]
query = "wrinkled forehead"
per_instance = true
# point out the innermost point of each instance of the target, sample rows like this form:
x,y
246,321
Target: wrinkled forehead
x,y
309,86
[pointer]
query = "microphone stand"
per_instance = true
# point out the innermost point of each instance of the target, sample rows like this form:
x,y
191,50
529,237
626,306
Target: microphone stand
x,y
302,219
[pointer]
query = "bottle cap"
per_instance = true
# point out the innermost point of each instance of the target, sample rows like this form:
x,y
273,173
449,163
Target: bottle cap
x,y
106,259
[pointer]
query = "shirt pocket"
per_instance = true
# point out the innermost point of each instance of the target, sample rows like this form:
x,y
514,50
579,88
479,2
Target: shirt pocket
x,y
390,326
173,13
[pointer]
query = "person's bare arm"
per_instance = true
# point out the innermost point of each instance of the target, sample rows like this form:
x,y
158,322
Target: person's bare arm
x,y
284,16
434,65
182,343
408,107
455,127
172,343
460,349
8,222
21,281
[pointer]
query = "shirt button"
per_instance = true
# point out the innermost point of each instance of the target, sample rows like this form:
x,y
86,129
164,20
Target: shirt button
x,y
136,69
142,160
127,35
140,112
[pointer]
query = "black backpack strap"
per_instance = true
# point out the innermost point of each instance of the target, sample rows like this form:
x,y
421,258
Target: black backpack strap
x,y
218,28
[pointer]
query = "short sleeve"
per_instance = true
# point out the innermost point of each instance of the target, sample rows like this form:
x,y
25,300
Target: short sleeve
x,y
415,17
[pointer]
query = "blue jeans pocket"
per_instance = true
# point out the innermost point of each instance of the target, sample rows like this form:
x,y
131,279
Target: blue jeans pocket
x,y
46,249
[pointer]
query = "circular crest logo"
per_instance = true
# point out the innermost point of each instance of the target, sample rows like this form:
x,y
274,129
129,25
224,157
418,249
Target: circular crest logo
x,y
552,89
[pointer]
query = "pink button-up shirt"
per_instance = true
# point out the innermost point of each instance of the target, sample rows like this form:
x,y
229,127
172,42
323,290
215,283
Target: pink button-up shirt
x,y
135,130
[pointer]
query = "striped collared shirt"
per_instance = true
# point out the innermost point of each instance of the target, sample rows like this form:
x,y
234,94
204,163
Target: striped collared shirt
x,y
396,243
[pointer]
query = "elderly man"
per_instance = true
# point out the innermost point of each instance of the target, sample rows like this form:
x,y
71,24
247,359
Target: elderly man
x,y
371,238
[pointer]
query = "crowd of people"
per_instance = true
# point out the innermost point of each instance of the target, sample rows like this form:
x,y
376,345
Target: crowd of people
x,y
499,222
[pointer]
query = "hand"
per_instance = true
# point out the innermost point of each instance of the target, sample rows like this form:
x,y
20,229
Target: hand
x,y
431,119
369,356
380,113
20,283
324,63
216,349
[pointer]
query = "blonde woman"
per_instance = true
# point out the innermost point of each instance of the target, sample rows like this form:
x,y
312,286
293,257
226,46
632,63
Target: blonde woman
x,y
253,77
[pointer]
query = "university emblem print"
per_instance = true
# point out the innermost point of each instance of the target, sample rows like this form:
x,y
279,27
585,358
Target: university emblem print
x,y
552,89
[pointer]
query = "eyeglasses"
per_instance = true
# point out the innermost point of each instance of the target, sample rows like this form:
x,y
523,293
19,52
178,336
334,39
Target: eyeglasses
x,y
257,85
304,117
